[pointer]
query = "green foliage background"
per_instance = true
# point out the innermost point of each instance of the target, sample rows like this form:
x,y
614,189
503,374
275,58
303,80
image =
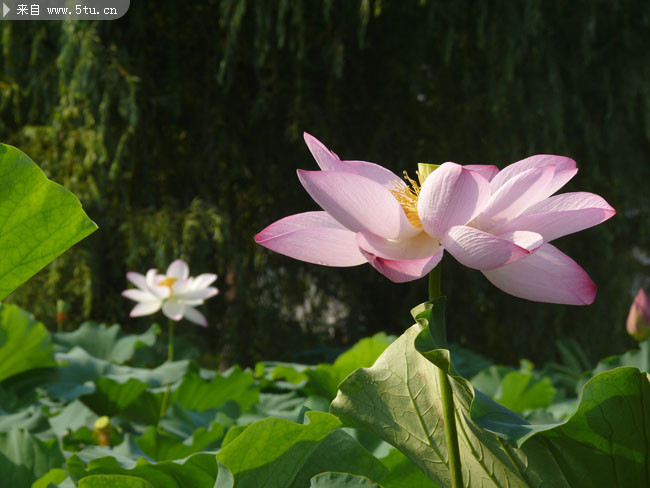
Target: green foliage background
x,y
179,128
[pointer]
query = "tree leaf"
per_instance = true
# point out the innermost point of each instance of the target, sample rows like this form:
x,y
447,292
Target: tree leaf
x,y
39,219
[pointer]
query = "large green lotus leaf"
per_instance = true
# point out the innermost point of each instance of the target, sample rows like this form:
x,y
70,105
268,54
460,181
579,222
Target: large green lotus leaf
x,y
104,342
24,458
604,443
468,363
163,446
279,453
398,399
39,219
404,473
22,390
325,378
195,393
637,358
289,406
281,375
517,390
31,419
196,471
53,477
80,372
341,480
72,417
108,389
113,481
182,423
24,342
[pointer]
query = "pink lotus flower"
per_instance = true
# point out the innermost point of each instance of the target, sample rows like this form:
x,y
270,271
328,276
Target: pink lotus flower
x,y
499,222
176,292
638,320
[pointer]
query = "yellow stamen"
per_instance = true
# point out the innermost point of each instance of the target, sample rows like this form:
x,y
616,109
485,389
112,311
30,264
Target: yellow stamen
x,y
407,196
168,282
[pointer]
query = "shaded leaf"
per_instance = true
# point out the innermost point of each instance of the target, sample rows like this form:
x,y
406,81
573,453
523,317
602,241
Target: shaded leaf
x,y
24,342
113,481
195,393
403,473
31,419
517,390
104,342
341,480
325,378
196,471
163,446
25,458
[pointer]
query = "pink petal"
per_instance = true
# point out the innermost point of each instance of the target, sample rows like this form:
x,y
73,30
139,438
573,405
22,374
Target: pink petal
x,y
372,171
193,315
481,250
418,247
178,269
403,271
314,237
358,203
487,171
328,161
547,275
450,196
173,309
145,308
564,169
515,196
528,240
560,178
562,214
139,295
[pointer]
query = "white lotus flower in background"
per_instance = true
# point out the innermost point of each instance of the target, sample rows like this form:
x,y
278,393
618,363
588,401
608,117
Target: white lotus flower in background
x,y
176,292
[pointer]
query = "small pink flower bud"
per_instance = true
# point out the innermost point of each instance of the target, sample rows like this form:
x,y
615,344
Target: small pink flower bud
x,y
638,320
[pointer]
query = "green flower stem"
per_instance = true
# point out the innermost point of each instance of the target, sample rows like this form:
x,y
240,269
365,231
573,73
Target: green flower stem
x,y
447,398
170,358
170,348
